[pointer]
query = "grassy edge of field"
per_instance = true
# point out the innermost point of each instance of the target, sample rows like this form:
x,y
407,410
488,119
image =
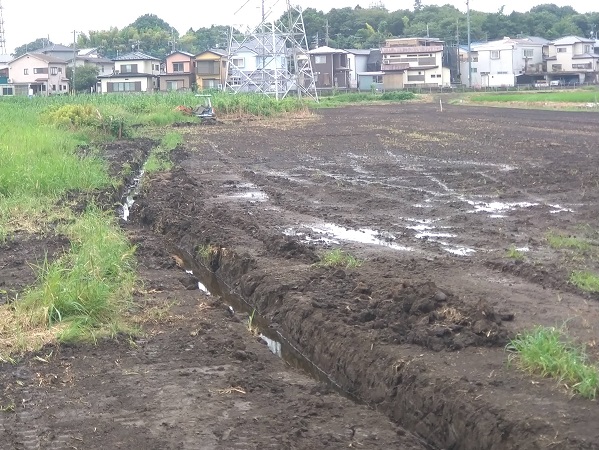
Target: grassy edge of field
x,y
85,292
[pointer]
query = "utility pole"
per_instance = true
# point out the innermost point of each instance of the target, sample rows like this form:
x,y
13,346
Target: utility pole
x,y
74,58
469,45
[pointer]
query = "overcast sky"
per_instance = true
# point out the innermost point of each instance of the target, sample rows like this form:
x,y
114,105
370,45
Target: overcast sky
x,y
25,21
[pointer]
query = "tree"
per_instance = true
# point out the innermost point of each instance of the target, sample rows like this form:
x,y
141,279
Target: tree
x,y
86,77
417,5
31,46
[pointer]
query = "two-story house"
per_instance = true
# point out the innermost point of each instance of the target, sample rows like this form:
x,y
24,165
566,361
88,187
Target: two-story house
x,y
573,58
133,72
38,74
178,74
331,68
357,61
505,62
414,62
57,51
90,56
211,69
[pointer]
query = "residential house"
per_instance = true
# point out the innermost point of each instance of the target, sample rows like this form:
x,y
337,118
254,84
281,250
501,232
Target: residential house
x,y
211,69
178,74
573,58
38,74
505,62
5,88
254,63
357,61
57,51
90,56
414,62
331,68
133,72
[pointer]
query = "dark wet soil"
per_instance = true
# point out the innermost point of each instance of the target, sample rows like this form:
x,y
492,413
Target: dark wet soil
x,y
430,203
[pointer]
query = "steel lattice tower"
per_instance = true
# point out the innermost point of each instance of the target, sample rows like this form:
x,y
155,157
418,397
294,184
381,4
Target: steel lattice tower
x,y
283,66
2,36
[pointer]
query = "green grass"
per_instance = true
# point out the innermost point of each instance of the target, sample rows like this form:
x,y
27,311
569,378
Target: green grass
x,y
88,288
159,159
577,96
549,352
338,258
364,97
561,241
514,253
585,280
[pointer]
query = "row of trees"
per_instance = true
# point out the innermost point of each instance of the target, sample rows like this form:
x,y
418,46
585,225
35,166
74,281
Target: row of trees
x,y
350,28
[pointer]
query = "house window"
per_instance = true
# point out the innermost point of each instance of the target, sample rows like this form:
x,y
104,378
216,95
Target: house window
x,y
53,70
561,49
438,75
501,73
474,70
528,52
556,67
238,62
157,67
320,59
172,85
128,68
586,66
40,70
433,75
125,86
60,70
494,54
178,67
53,87
235,81
207,67
475,59
587,49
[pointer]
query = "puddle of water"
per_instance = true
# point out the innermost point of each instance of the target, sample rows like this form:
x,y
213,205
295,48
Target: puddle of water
x,y
335,233
252,196
130,196
498,207
432,235
559,209
274,346
459,251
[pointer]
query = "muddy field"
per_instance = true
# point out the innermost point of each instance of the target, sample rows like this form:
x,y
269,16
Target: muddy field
x,y
429,201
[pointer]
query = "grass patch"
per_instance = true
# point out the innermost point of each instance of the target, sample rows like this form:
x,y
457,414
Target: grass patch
x,y
562,241
514,253
364,97
577,96
159,159
585,280
549,352
338,258
81,295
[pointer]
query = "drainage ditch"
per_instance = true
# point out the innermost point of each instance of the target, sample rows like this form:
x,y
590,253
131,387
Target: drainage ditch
x,y
278,343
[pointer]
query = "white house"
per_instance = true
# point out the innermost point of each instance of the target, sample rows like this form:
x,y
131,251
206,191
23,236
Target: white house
x,y
357,61
573,58
90,56
505,62
38,74
133,72
414,62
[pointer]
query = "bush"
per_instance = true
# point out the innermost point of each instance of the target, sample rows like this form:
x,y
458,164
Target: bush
x,y
73,115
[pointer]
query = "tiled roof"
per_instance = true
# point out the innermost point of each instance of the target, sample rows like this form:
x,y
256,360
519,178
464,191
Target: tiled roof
x,y
135,56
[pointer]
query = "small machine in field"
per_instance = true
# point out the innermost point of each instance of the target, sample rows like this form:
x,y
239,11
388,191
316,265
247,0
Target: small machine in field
x,y
204,111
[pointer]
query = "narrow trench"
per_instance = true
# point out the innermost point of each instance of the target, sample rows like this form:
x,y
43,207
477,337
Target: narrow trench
x,y
212,285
